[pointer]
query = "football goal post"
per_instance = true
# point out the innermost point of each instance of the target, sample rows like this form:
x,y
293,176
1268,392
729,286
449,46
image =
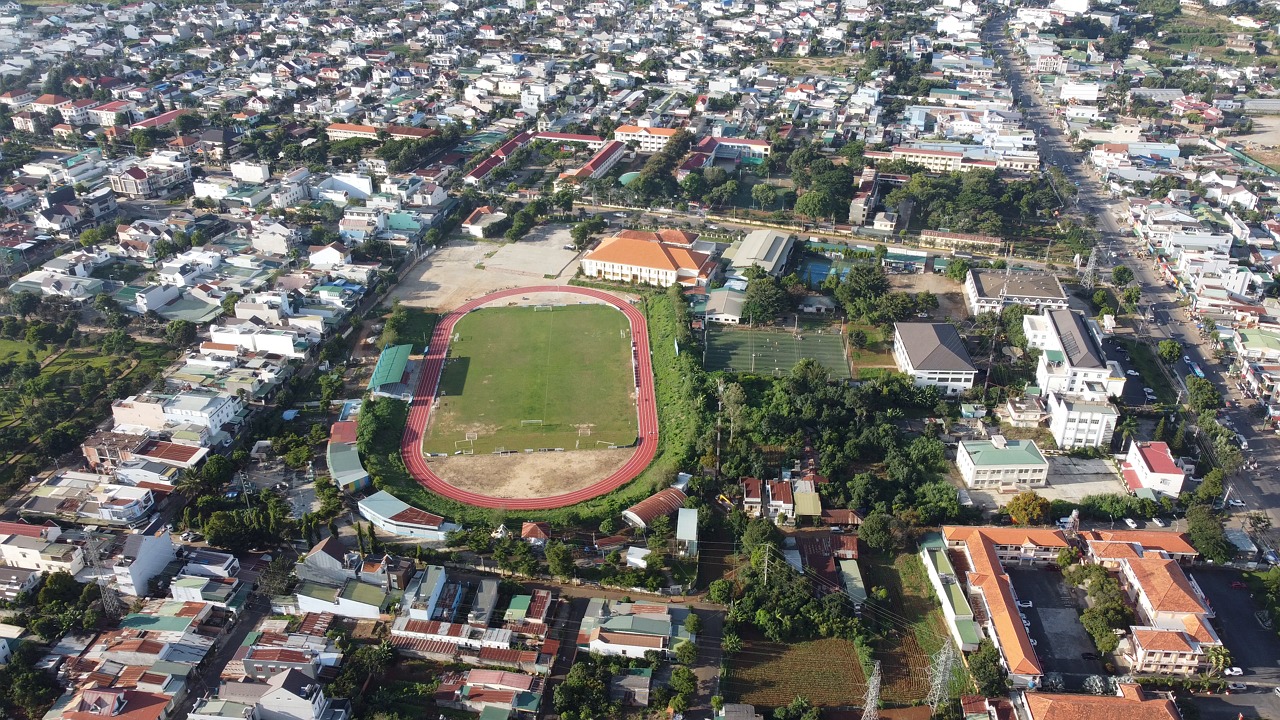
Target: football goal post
x,y
543,308
530,422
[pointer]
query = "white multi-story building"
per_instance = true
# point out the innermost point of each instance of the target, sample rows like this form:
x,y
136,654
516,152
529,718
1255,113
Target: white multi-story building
x,y
1071,360
33,553
647,139
152,176
994,290
1079,423
1002,464
1151,465
933,354
143,558
1076,378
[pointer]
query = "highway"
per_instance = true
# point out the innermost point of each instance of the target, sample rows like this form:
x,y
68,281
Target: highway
x,y
1257,489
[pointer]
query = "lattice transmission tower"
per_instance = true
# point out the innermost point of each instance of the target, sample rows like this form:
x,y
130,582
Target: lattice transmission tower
x,y
871,703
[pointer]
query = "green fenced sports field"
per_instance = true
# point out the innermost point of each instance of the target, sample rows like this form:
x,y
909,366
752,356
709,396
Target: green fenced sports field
x,y
568,366
775,350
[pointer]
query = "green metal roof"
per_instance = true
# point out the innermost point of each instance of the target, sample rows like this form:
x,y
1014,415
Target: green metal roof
x,y
344,464
1015,452
391,365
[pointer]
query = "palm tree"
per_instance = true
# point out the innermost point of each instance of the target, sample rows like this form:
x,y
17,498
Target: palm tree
x,y
1128,427
1219,659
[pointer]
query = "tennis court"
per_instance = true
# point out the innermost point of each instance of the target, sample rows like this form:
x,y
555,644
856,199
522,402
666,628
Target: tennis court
x,y
774,351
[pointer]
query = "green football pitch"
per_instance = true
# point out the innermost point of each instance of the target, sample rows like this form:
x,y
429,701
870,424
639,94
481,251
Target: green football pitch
x,y
522,378
774,351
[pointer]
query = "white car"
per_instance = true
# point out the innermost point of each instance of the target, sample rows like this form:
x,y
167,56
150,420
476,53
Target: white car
x,y
1132,525
1235,503
1238,687
1132,373
1024,604
1033,642
1233,671
1157,522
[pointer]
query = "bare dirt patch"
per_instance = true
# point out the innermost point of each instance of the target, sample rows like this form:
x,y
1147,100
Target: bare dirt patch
x,y
530,475
949,293
467,268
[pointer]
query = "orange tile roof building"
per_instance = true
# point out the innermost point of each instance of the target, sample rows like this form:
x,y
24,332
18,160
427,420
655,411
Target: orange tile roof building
x,y
1130,704
986,550
626,258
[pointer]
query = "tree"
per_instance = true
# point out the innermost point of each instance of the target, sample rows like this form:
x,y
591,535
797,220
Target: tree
x,y
958,270
720,592
988,672
217,471
1169,350
765,299
1219,659
798,709
1027,508
815,204
879,531
1202,396
1131,295
764,195
858,338
686,653
1211,488
180,333
1206,534
559,559
1122,275
24,303
692,623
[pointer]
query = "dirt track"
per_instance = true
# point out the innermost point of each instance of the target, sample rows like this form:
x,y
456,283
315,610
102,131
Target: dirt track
x,y
531,475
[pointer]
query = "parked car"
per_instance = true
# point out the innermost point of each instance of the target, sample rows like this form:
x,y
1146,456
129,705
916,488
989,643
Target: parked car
x,y
1237,585
1132,525
1088,656
1024,603
1238,687
1233,671
1132,373
1033,642
1157,522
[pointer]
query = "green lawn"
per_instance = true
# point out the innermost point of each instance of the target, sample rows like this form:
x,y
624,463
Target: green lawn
x,y
124,272
16,351
775,351
570,368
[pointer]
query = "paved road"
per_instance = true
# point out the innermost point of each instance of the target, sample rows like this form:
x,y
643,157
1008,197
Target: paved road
x,y
428,382
1259,490
205,679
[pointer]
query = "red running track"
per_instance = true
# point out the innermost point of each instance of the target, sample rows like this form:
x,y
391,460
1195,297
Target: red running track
x,y
428,382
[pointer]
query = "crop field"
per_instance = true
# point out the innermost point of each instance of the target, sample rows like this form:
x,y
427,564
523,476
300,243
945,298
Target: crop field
x,y
764,674
522,378
774,351
913,626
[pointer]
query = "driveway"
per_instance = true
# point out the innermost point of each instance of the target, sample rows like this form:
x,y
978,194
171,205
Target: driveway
x,y
707,668
1055,624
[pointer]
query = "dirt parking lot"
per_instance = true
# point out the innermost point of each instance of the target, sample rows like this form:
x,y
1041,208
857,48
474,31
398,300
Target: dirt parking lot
x,y
950,294
467,268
